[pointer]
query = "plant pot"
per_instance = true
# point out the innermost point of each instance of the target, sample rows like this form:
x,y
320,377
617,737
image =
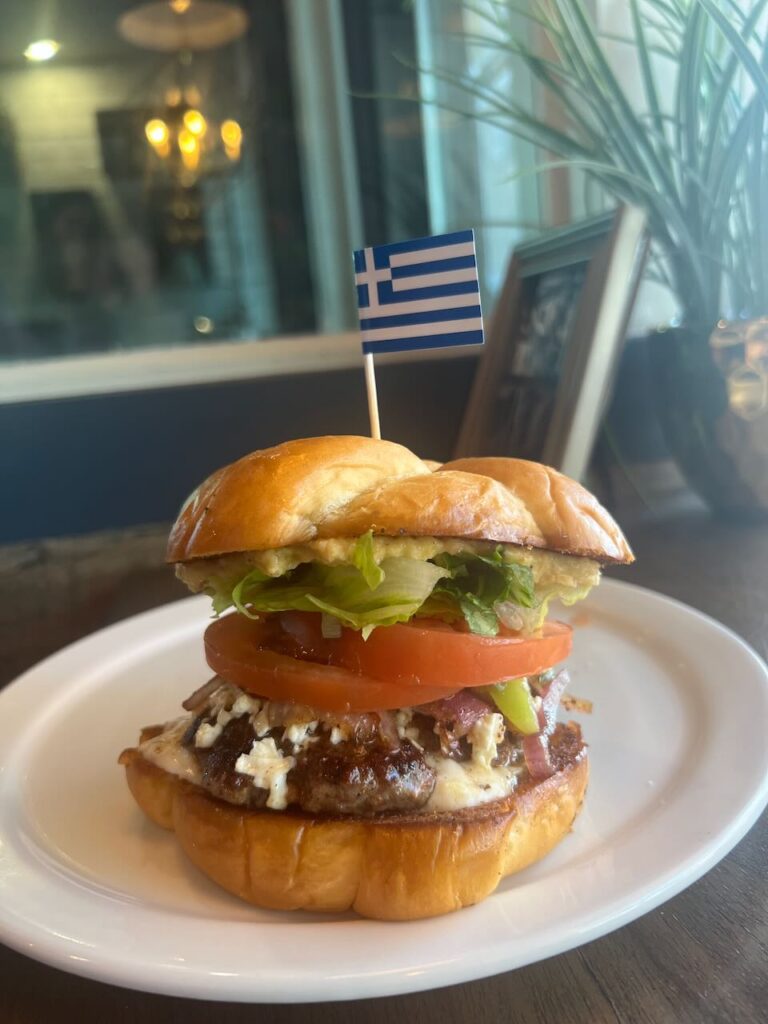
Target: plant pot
x,y
712,399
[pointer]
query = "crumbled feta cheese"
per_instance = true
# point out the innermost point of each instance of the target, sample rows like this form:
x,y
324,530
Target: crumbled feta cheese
x,y
269,769
405,730
300,734
402,721
261,723
485,735
340,733
245,705
209,732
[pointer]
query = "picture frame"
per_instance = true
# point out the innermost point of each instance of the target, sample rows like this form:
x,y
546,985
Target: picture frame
x,y
545,376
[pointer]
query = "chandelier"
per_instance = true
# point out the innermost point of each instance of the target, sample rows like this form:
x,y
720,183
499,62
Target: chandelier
x,y
183,140
186,142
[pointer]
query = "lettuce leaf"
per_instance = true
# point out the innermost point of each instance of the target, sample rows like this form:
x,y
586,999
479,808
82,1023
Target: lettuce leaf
x,y
343,591
477,583
363,558
222,589
367,594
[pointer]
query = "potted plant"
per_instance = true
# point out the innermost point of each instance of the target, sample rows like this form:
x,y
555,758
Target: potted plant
x,y
691,148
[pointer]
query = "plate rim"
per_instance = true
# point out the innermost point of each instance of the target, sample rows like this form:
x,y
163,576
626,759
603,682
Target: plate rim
x,y
157,978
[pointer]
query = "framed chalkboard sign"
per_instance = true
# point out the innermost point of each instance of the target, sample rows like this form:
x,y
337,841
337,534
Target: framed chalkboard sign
x,y
545,375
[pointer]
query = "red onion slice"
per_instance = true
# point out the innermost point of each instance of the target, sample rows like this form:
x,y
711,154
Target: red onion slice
x,y
536,748
202,693
463,709
537,759
388,729
550,701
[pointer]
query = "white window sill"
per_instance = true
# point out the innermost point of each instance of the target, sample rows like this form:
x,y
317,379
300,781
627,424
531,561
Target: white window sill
x,y
142,369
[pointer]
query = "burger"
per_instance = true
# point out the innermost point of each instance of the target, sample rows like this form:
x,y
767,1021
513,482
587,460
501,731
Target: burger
x,y
380,730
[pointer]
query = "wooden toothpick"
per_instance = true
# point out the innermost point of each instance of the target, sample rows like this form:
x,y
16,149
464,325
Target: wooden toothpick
x,y
373,402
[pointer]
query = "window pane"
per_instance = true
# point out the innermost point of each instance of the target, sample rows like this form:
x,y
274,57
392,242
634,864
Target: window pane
x,y
156,190
147,198
381,47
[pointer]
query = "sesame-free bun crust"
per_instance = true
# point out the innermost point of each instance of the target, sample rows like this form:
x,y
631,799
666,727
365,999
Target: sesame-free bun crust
x,y
570,518
398,868
341,487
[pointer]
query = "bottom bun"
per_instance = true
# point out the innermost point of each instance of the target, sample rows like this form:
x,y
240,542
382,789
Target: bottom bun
x,y
398,867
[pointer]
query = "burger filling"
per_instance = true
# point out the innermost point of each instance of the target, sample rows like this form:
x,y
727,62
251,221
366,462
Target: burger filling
x,y
452,753
376,675
378,581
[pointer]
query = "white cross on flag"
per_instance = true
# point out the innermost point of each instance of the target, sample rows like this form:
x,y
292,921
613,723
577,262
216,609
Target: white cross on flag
x,y
422,293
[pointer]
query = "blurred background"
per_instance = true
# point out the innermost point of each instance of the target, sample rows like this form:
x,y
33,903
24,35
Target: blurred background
x,y
182,183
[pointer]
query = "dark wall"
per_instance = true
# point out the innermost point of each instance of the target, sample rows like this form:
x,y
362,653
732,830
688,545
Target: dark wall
x,y
77,465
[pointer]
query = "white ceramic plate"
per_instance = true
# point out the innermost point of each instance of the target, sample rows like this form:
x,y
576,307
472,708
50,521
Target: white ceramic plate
x,y
87,885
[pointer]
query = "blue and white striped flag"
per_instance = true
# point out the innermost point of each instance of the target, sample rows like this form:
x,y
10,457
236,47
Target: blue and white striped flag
x,y
422,293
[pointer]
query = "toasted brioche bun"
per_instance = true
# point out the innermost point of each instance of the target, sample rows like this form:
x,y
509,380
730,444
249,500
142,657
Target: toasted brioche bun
x,y
570,518
396,867
337,487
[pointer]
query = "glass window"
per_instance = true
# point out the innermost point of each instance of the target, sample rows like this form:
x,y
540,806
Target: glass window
x,y
180,173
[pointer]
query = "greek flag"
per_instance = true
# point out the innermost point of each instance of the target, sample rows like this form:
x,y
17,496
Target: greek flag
x,y
422,293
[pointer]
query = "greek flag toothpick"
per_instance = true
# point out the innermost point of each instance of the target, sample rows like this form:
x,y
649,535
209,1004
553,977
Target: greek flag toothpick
x,y
419,294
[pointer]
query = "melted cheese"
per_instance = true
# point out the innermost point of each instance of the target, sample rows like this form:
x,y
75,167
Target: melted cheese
x,y
467,784
167,753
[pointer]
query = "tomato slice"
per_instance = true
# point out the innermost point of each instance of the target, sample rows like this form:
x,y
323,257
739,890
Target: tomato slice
x,y
427,652
238,649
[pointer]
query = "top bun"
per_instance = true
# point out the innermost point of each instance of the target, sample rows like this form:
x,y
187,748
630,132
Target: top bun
x,y
570,518
329,487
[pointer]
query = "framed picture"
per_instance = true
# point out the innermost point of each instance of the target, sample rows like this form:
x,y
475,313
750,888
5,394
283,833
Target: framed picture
x,y
545,375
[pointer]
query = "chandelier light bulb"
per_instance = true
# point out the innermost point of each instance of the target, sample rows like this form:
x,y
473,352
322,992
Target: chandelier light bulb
x,y
195,123
232,137
156,131
187,141
231,133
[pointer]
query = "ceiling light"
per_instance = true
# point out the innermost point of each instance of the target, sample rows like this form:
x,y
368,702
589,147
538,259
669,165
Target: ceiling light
x,y
42,49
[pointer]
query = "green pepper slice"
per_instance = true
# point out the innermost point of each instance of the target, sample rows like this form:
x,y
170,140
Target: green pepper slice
x,y
514,701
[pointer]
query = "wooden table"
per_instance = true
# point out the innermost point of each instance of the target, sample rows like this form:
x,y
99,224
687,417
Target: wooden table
x,y
702,957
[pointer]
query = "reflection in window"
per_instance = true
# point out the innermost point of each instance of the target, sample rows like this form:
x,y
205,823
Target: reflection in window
x,y
148,196
163,180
